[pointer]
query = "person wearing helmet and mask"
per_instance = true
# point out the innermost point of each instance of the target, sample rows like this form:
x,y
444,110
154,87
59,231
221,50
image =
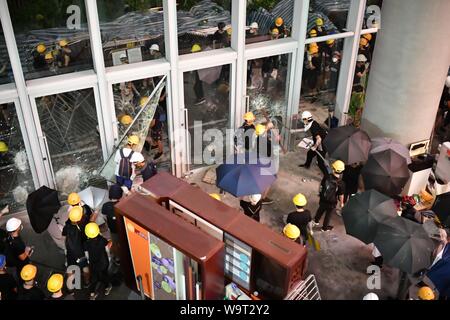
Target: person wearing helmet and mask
x,y
96,246
88,214
292,232
55,286
280,26
29,290
253,30
17,253
64,53
8,285
252,206
243,137
301,217
332,189
198,84
39,57
335,66
127,159
155,52
320,28
360,72
318,134
220,37
313,69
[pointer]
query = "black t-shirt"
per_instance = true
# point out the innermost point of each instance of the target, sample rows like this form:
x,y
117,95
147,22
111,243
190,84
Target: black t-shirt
x,y
30,294
301,220
108,211
7,285
241,135
340,189
317,63
221,37
98,258
15,248
359,69
251,210
74,241
317,130
351,177
87,212
63,297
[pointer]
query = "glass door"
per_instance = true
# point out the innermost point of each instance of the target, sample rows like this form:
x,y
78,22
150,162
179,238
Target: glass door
x,y
70,139
207,115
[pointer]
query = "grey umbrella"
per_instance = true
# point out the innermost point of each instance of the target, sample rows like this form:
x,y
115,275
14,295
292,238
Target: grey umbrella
x,y
386,172
364,212
348,144
404,244
381,144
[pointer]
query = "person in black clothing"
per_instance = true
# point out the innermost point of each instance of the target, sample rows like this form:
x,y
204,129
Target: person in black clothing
x,y
29,291
243,137
269,65
313,69
17,253
408,211
318,134
301,217
253,207
360,71
332,190
74,200
96,245
115,194
351,179
220,37
39,57
74,241
335,66
55,285
8,286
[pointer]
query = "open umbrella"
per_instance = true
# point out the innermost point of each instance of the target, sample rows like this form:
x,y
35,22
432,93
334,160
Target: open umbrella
x,y
93,197
42,204
364,212
381,144
241,178
442,208
404,244
386,172
210,75
348,144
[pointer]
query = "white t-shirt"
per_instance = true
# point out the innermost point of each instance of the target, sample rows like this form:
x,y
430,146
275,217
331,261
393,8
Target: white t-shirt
x,y
136,157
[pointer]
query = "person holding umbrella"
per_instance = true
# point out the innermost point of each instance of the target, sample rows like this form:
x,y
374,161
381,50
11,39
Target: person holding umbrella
x,y
332,189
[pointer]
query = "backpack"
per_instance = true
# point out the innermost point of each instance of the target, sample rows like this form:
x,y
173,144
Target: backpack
x,y
328,191
125,166
149,171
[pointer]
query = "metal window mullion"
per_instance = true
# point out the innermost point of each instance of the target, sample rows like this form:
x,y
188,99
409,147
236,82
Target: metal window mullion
x,y
348,63
8,92
29,131
270,48
105,104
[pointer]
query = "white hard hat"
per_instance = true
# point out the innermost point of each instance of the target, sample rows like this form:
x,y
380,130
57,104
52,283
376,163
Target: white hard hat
x,y
306,115
361,58
371,296
13,224
447,82
254,25
154,47
254,198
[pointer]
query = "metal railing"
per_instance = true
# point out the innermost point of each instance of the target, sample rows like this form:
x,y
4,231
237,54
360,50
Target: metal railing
x,y
305,290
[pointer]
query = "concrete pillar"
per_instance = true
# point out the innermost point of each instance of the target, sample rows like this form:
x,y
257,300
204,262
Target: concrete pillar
x,y
410,64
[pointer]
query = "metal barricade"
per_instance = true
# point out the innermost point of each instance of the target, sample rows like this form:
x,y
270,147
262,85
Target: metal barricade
x,y
305,290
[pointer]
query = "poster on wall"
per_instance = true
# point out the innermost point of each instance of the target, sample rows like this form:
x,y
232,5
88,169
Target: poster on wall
x,y
163,269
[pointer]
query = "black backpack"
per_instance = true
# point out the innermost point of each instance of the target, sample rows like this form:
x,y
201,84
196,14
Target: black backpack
x,y
149,171
328,191
125,167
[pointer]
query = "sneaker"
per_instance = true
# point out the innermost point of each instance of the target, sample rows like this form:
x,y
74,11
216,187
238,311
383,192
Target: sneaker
x,y
325,229
108,290
303,166
267,200
93,296
158,155
315,224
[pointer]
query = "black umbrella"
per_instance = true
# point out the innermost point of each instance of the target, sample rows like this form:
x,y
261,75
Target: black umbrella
x,y
365,211
404,244
42,204
381,144
442,208
386,172
348,144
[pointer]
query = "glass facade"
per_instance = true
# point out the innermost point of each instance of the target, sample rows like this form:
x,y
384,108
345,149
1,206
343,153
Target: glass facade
x,y
268,20
132,31
6,75
52,36
327,17
203,25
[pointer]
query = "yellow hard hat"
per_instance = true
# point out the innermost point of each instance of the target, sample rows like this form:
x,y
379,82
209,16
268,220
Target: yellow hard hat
x,y
260,129
92,230
367,36
55,283
279,21
229,31
133,140
319,22
126,120
73,199
338,166
143,101
363,42
275,31
41,48
75,214
196,48
313,33
28,272
48,56
249,116
330,41
3,147
215,196
425,293
313,48
291,231
299,200
63,42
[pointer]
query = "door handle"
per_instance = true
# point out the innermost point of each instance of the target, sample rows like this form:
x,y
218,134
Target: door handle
x,y
141,287
48,158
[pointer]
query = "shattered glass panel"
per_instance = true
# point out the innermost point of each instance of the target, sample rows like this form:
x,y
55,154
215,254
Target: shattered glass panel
x,y
15,174
141,111
70,125
6,75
